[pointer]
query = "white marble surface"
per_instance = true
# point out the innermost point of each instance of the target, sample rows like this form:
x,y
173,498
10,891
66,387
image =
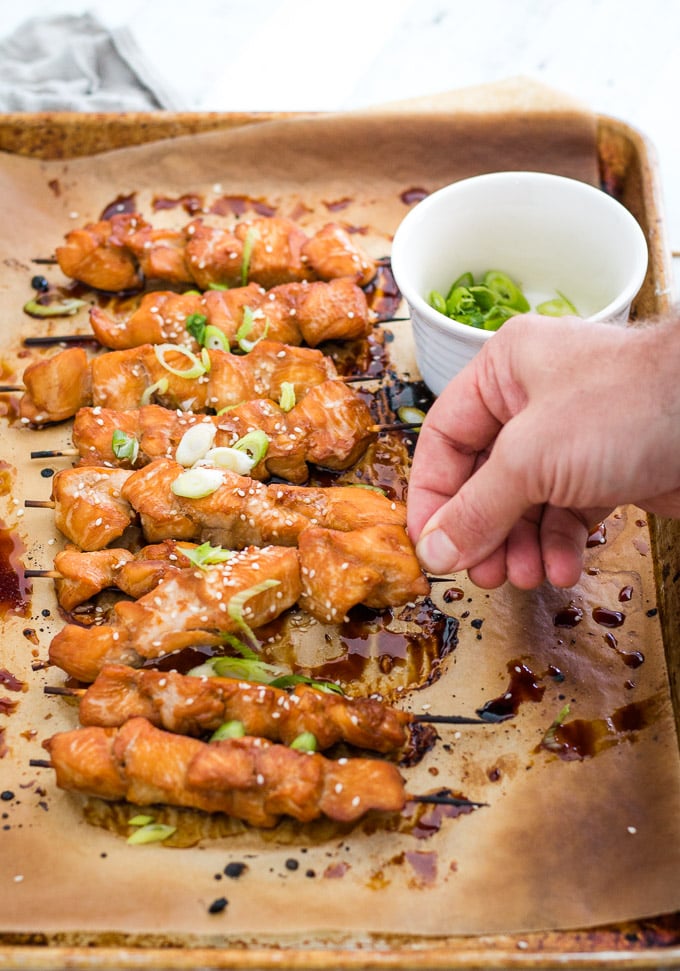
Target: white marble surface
x,y
618,56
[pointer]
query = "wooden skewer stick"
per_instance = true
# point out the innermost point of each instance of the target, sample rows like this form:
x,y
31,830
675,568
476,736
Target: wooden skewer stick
x,y
442,799
63,690
40,503
43,574
397,426
53,453
11,388
40,763
47,340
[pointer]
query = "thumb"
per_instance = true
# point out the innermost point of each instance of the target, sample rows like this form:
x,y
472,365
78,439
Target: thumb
x,y
473,523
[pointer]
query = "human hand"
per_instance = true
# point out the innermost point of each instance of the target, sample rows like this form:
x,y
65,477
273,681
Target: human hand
x,y
551,426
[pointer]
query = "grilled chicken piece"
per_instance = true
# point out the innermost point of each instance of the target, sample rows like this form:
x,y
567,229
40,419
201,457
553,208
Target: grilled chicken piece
x,y
333,253
248,778
83,575
98,256
160,253
292,313
56,387
268,250
242,511
115,254
189,608
332,426
239,513
89,505
195,706
374,566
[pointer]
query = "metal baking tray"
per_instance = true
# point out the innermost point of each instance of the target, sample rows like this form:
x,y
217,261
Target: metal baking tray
x,y
629,170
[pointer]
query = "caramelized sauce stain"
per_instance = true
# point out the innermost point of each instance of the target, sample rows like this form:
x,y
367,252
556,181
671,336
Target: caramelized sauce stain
x,y
524,686
415,194
190,202
383,294
585,738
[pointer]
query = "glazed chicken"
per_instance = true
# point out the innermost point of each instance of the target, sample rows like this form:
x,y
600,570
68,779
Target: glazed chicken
x,y
331,427
191,705
249,778
120,253
189,608
58,386
331,573
375,566
293,313
94,505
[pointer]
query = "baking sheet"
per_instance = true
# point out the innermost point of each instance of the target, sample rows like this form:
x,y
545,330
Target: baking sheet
x,y
560,844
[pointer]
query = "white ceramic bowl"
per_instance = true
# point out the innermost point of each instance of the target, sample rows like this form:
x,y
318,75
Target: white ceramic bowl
x,y
548,233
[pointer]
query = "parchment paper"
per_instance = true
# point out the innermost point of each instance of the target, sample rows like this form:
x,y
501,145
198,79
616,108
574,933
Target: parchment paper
x,y
560,844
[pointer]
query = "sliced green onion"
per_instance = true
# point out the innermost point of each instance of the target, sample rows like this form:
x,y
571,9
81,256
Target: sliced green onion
x,y
228,459
218,286
160,386
287,396
151,833
304,742
64,308
140,820
367,485
215,339
559,306
438,301
238,601
124,446
248,669
230,729
205,360
255,444
506,290
198,367
248,243
245,329
206,555
194,443
196,324
227,408
464,280
237,645
197,483
291,680
549,740
411,415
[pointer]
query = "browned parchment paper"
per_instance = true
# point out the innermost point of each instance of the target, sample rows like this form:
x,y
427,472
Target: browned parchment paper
x,y
560,844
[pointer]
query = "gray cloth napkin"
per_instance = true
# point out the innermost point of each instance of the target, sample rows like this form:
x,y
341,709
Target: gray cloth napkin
x,y
74,63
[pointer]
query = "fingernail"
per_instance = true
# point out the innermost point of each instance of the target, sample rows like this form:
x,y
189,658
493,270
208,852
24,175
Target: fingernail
x,y
437,553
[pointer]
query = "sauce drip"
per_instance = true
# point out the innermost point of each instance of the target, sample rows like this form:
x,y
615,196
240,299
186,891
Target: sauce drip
x,y
632,659
190,202
597,536
383,294
121,204
14,588
452,595
415,194
523,686
568,616
608,618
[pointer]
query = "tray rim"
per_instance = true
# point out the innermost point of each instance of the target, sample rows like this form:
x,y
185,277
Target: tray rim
x,y
24,132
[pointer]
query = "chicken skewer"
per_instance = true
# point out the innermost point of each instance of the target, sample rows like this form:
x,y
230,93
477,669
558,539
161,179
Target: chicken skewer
x,y
248,778
293,313
331,427
330,573
117,254
56,387
190,705
95,505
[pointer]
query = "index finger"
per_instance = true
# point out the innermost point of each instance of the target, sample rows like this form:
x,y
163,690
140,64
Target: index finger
x,y
459,425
